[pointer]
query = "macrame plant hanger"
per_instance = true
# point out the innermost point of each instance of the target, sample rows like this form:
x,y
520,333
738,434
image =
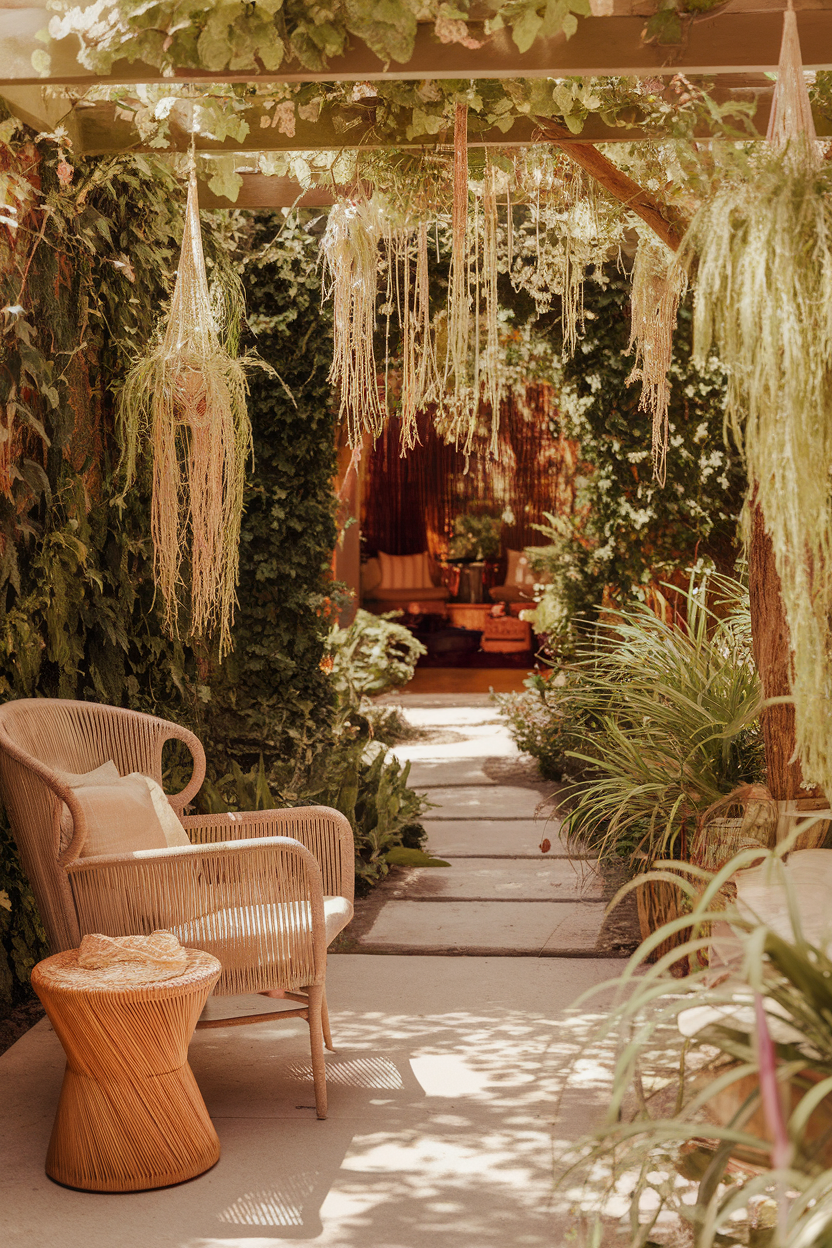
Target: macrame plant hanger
x,y
791,125
187,399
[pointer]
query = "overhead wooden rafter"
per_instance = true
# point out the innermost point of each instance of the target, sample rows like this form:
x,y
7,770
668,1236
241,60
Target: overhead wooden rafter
x,y
101,128
734,45
743,37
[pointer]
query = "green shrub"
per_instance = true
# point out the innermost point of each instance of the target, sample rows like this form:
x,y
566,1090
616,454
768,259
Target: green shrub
x,y
371,656
627,531
662,718
540,726
475,537
353,772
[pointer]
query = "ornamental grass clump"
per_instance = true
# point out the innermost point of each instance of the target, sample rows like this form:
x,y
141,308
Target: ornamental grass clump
x,y
664,716
186,399
717,1131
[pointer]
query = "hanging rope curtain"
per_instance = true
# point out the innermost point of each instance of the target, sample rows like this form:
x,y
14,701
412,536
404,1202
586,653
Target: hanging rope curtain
x,y
410,502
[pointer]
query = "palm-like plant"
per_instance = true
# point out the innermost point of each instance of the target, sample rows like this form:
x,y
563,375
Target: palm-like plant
x,y
666,716
739,1150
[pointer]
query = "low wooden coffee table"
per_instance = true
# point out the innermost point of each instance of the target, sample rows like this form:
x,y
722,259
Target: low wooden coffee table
x,y
130,1115
470,614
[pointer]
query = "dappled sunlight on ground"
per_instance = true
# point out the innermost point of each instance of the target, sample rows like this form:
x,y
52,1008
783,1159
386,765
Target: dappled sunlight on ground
x,y
447,1111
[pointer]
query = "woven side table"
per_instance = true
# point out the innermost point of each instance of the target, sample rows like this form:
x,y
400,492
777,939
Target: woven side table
x,y
130,1115
506,634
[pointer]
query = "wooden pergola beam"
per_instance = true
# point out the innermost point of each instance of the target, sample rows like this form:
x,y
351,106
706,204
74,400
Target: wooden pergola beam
x,y
101,128
736,41
260,190
664,222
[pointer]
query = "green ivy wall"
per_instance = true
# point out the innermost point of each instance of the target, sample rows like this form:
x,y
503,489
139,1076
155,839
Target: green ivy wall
x,y
88,268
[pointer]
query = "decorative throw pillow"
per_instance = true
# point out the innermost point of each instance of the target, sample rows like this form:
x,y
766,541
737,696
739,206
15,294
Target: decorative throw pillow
x,y
123,813
175,834
520,571
404,571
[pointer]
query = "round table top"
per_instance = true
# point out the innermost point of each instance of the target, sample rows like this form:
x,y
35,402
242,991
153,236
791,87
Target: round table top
x,y
61,973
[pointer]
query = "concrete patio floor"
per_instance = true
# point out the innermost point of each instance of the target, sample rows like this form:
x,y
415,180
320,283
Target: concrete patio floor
x,y
443,1117
446,1094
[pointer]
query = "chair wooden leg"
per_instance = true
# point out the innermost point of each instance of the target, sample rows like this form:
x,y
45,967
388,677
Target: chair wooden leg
x,y
316,1042
325,1022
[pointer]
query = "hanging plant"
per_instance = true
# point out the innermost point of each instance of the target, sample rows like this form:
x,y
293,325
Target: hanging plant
x,y
659,283
186,399
350,249
762,253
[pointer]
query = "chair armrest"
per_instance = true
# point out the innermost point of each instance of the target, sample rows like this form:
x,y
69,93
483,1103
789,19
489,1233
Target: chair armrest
x,y
257,905
326,833
175,732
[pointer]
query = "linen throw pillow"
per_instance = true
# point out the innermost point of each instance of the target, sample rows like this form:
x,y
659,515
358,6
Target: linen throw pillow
x,y
405,571
123,813
520,571
175,834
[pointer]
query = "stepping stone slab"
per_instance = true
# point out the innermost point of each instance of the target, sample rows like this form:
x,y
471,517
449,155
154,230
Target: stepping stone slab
x,y
486,927
483,879
460,771
579,928
482,744
493,838
463,717
495,801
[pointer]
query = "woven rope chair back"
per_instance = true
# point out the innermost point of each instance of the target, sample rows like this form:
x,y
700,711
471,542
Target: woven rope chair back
x,y
42,737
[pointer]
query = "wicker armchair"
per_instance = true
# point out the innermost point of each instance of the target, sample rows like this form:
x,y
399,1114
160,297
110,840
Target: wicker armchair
x,y
265,891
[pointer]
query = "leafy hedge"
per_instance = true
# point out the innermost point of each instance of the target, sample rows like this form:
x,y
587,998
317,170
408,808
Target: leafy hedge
x,y
84,273
77,612
631,533
272,693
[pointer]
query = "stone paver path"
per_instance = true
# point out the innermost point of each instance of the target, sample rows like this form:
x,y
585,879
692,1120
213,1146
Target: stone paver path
x,y
501,895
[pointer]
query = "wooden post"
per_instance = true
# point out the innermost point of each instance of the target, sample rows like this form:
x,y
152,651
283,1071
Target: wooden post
x,y
773,656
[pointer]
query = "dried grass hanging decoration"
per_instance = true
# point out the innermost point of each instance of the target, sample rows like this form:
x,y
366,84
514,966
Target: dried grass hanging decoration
x,y
791,121
187,399
762,254
350,249
658,285
460,399
492,384
571,238
420,374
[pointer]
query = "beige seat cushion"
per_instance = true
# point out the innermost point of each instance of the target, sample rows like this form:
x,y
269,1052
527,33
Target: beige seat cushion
x,y
221,930
510,593
425,593
123,813
404,572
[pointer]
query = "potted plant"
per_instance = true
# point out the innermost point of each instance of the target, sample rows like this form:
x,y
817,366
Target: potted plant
x,y
475,538
720,1114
